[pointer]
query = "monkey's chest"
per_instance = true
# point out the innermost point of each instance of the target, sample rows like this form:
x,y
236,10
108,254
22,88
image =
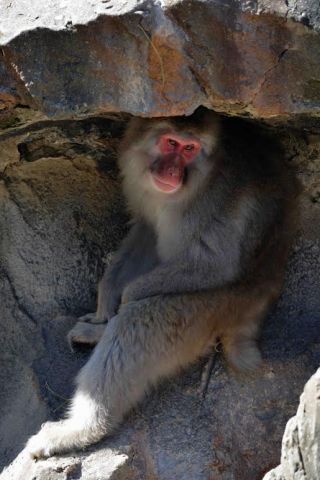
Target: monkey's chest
x,y
169,235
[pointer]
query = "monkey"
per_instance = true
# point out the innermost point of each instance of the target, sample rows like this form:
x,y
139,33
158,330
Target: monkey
x,y
213,214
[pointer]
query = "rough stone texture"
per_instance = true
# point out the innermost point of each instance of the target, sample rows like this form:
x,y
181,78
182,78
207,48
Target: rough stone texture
x,y
59,214
234,56
300,458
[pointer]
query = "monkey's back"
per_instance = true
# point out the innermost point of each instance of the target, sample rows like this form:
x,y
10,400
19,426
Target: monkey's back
x,y
253,165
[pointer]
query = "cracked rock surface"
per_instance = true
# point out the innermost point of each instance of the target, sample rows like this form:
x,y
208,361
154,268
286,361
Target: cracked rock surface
x,y
61,214
258,58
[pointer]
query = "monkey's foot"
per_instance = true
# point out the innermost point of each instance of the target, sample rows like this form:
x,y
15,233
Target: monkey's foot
x,y
46,442
244,356
86,333
70,434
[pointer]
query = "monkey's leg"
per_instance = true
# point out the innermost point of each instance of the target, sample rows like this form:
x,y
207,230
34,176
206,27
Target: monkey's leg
x,y
146,341
243,310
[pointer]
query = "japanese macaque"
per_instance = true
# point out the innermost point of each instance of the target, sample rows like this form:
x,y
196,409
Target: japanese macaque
x,y
212,218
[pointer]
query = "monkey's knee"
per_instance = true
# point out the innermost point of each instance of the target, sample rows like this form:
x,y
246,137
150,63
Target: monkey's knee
x,y
85,333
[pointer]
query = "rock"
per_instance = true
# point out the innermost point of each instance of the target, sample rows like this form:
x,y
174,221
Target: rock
x,y
105,465
133,56
300,457
61,211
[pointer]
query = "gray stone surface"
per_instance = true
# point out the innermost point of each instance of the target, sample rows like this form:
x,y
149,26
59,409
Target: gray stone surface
x,y
300,457
60,213
234,56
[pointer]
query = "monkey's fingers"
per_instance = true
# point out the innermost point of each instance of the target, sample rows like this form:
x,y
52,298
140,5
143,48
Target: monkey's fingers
x,y
85,333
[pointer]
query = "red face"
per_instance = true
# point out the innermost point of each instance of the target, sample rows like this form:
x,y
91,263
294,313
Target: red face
x,y
175,153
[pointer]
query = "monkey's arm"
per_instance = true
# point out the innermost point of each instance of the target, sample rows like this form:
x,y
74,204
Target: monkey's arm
x,y
171,279
219,257
136,256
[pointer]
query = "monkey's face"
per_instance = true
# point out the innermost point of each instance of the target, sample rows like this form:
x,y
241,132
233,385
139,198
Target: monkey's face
x,y
172,154
180,157
169,157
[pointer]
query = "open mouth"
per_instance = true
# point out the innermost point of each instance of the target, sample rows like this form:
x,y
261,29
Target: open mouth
x,y
167,173
166,185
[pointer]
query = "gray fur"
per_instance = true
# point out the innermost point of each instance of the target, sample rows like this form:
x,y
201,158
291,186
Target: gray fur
x,y
136,256
204,263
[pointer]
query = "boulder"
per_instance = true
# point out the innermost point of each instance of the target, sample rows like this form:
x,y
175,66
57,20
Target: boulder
x,y
300,457
258,58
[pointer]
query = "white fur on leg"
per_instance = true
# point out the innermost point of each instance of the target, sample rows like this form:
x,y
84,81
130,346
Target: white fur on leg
x,y
83,427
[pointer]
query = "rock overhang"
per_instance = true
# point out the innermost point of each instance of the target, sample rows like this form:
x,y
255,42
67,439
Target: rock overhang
x,y
258,59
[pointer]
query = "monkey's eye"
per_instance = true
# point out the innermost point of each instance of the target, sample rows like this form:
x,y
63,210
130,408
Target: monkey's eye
x,y
172,142
189,148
